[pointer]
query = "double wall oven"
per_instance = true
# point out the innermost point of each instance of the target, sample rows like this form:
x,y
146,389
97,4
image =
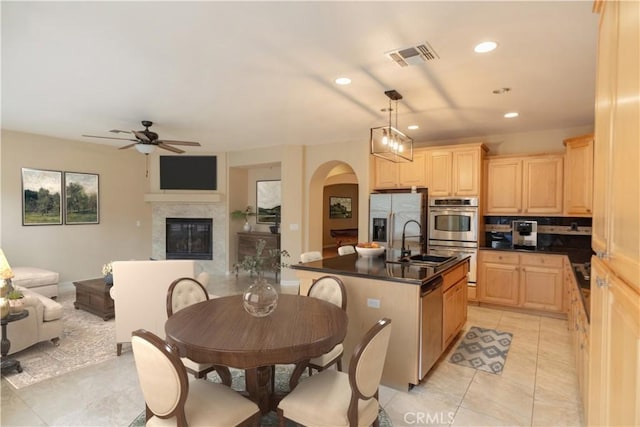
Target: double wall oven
x,y
453,229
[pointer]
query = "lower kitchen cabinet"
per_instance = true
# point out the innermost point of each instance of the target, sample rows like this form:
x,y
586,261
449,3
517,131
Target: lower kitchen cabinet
x,y
498,278
529,281
578,324
454,304
614,365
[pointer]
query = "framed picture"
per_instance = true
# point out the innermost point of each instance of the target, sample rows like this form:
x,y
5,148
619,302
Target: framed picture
x,y
82,201
339,207
41,197
268,201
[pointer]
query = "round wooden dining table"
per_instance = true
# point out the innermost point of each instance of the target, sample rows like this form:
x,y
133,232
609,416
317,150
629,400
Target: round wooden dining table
x,y
219,331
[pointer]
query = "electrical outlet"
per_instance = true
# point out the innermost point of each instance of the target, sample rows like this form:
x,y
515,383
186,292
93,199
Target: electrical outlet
x,y
373,303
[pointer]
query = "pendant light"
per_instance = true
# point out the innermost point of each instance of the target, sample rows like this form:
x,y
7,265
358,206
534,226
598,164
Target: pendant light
x,y
387,142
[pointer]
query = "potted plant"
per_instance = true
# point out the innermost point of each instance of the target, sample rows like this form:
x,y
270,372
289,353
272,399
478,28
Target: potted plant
x,y
260,299
107,273
244,214
16,304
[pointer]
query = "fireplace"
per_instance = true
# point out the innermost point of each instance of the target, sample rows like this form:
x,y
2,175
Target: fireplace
x,y
189,238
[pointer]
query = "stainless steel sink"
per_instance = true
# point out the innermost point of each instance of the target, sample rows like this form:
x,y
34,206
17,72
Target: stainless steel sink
x,y
426,259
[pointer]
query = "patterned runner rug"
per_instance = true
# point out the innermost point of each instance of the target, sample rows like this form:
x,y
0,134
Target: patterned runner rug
x,y
283,372
483,349
86,340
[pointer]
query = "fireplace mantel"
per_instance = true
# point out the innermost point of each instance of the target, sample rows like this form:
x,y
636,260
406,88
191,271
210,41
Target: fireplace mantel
x,y
182,198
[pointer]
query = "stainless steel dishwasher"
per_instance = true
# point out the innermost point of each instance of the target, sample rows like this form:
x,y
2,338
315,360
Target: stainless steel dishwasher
x,y
430,325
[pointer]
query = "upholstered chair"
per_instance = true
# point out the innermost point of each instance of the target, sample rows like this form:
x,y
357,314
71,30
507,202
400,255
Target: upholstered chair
x,y
170,399
346,250
182,293
310,256
330,289
334,398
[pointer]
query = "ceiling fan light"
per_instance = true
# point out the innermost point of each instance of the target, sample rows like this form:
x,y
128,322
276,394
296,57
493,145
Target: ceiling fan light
x,y
145,148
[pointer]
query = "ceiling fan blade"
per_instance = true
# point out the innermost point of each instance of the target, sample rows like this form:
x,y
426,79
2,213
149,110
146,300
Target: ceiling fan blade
x,y
109,137
119,131
193,144
170,148
127,146
141,136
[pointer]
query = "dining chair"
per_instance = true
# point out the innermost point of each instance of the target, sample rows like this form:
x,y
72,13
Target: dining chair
x,y
170,399
182,293
310,256
334,398
330,289
346,250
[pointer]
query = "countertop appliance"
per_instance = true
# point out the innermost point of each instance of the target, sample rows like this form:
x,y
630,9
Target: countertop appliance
x,y
431,301
453,229
525,234
392,213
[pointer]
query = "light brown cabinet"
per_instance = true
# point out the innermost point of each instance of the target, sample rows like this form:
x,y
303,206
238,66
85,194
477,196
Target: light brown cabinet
x,y
531,185
529,281
498,278
454,171
454,306
413,173
578,325
578,176
614,368
400,175
614,357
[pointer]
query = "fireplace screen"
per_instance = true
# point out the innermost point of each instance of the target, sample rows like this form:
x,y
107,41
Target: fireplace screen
x,y
189,238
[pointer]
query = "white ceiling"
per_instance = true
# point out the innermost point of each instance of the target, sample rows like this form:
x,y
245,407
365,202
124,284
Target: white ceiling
x,y
235,75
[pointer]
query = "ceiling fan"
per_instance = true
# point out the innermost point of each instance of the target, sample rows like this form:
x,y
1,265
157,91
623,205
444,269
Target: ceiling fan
x,y
146,141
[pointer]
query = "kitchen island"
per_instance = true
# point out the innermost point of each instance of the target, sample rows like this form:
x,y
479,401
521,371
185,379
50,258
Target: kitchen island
x,y
380,287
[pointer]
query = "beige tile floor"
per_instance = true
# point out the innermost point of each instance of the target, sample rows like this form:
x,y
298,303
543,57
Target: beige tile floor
x,y
538,386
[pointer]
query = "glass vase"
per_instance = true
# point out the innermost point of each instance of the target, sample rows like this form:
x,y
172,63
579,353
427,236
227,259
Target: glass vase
x,y
260,299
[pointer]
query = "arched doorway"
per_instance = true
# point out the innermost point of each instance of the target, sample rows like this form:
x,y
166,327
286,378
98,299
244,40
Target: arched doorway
x,y
337,182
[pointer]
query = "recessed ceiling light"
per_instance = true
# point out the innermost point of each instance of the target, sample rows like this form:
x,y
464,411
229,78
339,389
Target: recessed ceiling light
x,y
511,115
413,127
485,47
343,81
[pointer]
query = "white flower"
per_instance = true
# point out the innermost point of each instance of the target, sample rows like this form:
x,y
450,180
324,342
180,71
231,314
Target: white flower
x,y
107,268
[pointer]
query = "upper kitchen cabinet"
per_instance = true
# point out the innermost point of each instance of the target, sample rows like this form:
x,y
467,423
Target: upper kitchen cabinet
x,y
504,186
413,173
542,185
578,176
400,175
530,185
455,170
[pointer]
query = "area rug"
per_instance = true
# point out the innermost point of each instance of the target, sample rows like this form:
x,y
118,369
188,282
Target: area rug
x,y
283,372
86,340
483,349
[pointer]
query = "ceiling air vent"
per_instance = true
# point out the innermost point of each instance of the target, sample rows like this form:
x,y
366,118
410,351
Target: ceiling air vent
x,y
413,55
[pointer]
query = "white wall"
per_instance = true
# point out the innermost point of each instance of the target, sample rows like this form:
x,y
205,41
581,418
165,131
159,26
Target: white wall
x,y
75,251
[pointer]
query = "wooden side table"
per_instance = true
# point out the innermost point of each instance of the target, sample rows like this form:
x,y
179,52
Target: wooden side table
x,y
93,296
7,363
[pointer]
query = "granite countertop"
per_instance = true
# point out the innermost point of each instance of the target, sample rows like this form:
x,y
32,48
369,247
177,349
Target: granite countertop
x,y
378,268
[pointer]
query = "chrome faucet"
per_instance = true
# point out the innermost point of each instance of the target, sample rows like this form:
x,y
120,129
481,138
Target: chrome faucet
x,y
403,251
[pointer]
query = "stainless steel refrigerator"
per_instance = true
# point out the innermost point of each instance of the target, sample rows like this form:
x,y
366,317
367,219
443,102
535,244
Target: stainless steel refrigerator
x,y
392,212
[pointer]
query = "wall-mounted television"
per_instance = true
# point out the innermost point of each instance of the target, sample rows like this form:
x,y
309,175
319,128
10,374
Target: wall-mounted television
x,y
188,172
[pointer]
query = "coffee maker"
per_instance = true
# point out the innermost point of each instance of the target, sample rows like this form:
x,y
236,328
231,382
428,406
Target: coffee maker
x,y
524,235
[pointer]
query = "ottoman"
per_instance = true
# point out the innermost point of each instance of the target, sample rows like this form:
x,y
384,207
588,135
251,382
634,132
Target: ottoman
x,y
44,282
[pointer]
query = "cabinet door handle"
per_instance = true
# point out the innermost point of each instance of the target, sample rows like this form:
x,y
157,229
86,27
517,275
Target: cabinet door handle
x,y
600,282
